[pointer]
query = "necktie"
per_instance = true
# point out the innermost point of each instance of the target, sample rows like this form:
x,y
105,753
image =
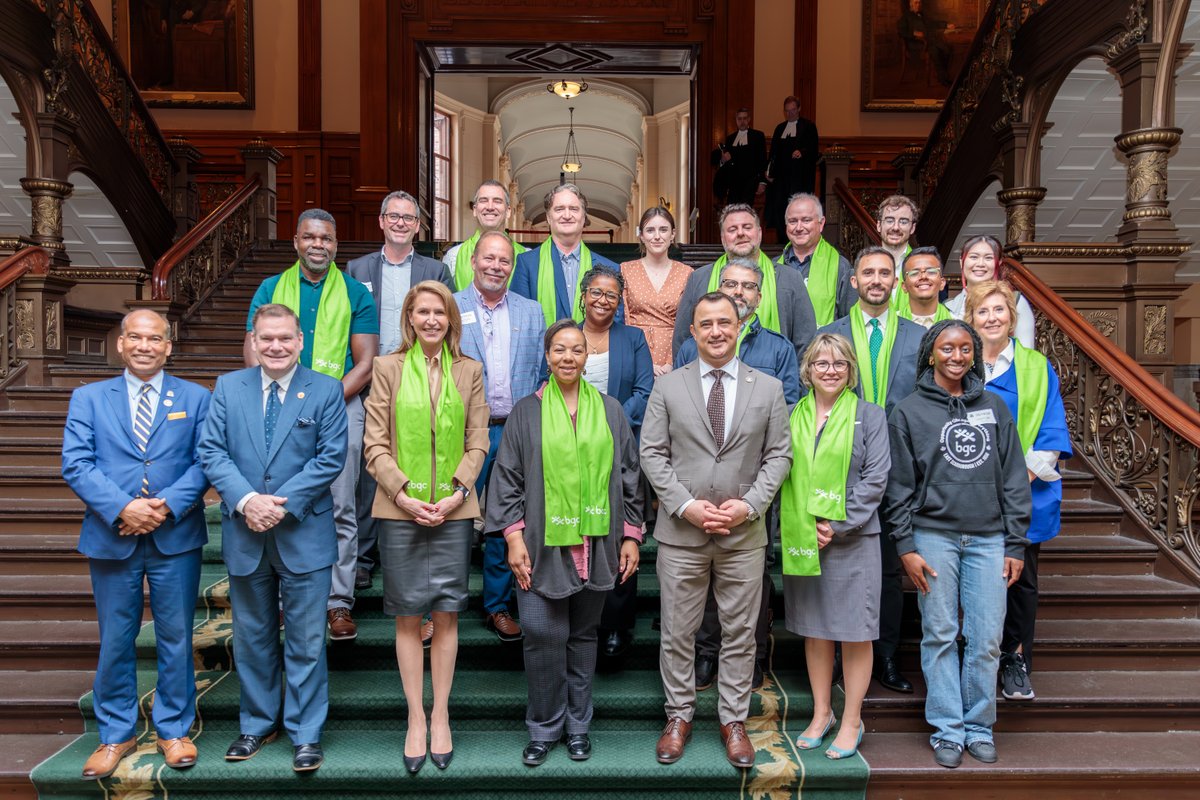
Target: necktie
x,y
272,415
142,419
876,344
716,407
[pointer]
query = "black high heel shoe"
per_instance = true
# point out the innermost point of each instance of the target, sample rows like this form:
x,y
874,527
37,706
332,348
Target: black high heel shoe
x,y
414,763
441,760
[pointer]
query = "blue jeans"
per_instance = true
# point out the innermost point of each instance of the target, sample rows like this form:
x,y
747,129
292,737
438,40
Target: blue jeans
x,y
961,701
497,577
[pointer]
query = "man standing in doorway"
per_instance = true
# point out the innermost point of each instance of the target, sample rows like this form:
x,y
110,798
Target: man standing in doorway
x,y
490,209
740,162
792,164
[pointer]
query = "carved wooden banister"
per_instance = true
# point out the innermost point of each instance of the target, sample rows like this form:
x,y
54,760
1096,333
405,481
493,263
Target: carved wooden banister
x,y
858,228
31,260
196,263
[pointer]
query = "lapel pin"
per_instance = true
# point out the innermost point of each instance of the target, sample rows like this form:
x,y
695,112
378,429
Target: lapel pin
x,y
168,403
749,379
170,392
300,395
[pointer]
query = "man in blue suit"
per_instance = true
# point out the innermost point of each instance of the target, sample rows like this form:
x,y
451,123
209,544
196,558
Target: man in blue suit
x,y
274,443
874,279
504,331
566,214
129,452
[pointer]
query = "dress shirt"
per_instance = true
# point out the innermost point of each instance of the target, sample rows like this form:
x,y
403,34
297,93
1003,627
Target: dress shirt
x,y
741,140
883,322
396,280
570,268
133,386
924,321
284,382
494,323
1042,463
789,130
707,382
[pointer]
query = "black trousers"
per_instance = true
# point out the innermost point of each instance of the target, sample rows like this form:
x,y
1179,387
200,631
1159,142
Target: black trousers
x,y
1022,609
891,599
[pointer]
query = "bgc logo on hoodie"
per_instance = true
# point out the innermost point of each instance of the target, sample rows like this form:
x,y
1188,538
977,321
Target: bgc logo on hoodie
x,y
964,445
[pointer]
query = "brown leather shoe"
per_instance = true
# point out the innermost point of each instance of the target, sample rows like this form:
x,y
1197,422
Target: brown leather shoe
x,y
103,762
427,632
504,626
674,738
178,753
738,749
341,624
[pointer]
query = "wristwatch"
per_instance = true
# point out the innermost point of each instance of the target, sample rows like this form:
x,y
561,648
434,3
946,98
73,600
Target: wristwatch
x,y
752,516
466,490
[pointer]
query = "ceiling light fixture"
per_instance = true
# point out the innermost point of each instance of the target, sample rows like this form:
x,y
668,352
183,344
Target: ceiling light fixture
x,y
567,89
571,162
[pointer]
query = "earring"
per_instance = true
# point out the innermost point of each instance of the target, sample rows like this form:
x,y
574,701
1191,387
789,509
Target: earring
x,y
931,361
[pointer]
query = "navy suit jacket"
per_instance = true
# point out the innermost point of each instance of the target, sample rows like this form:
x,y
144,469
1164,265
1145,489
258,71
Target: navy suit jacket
x,y
630,371
525,280
902,369
306,455
368,270
767,352
526,359
103,464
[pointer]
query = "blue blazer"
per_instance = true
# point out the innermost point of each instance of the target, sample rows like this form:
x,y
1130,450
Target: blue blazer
x,y
766,351
526,357
102,463
307,454
630,371
902,369
525,280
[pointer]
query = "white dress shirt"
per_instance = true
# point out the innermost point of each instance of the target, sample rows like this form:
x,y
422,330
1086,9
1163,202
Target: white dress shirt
x,y
730,383
133,386
284,382
1042,463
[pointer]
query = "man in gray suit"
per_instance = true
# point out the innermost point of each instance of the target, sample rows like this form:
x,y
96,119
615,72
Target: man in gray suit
x,y
716,447
741,236
874,279
388,275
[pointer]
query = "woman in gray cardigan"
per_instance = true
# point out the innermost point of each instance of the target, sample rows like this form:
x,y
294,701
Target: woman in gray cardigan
x,y
561,587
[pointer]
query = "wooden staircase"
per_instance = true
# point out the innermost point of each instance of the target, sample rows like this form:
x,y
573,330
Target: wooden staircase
x,y
1118,636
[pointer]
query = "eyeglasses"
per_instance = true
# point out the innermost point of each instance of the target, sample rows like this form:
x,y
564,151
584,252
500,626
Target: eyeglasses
x,y
596,294
928,272
747,286
827,366
393,218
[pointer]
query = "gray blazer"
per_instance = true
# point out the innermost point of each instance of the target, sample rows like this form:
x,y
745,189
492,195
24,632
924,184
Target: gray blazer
x,y
681,461
902,369
797,322
369,270
870,460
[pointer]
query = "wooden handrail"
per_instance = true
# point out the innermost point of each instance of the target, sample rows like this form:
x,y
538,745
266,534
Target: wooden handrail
x,y
180,250
1156,398
602,231
855,207
27,260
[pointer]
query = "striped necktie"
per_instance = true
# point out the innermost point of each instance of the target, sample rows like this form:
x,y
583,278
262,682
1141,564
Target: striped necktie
x,y
143,417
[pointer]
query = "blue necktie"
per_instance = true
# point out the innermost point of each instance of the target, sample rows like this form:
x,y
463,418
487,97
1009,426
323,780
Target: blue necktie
x,y
272,415
143,417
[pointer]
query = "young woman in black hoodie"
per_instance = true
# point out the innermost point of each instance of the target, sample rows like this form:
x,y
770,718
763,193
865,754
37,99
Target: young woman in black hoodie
x,y
958,506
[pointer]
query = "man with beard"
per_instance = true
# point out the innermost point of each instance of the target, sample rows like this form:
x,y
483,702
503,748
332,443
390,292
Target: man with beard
x,y
886,346
784,306
341,338
896,219
826,272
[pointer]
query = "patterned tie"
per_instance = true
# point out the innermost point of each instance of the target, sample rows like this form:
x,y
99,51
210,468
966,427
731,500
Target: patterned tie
x,y
272,415
716,407
143,417
876,344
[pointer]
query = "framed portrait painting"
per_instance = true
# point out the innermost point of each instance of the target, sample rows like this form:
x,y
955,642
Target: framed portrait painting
x,y
188,53
913,49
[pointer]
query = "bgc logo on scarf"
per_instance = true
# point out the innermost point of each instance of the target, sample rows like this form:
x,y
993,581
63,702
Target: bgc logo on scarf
x,y
825,494
556,520
806,552
321,364
595,511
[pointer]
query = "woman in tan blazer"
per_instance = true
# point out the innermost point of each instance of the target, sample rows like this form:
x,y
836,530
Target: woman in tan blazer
x,y
425,440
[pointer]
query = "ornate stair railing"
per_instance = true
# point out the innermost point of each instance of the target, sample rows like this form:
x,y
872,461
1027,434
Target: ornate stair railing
x,y
188,272
856,226
29,260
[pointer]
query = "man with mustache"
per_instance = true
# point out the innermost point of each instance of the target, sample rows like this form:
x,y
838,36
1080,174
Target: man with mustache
x,y
886,346
896,219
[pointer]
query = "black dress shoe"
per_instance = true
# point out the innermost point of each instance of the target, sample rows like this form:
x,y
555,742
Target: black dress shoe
x,y
757,680
616,643
441,760
307,757
362,578
247,746
579,747
706,671
535,752
414,763
888,675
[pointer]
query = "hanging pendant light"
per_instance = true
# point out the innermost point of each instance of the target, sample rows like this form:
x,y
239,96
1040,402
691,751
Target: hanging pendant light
x,y
571,162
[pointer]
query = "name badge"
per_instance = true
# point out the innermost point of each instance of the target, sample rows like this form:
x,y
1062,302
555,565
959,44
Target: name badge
x,y
468,318
177,415
981,417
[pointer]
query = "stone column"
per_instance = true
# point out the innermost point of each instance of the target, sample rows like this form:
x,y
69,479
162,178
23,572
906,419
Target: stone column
x,y
1020,211
185,199
1147,216
261,158
46,200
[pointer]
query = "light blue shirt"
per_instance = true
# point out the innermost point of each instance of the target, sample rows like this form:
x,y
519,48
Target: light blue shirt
x,y
396,280
570,269
497,352
133,386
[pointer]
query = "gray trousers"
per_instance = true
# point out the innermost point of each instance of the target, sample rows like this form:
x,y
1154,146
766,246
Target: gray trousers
x,y
345,510
560,661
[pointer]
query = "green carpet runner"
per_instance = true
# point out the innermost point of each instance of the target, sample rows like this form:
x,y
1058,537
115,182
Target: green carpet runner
x,y
364,737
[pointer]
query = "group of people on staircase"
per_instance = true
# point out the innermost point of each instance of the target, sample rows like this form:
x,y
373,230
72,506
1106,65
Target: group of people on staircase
x,y
824,419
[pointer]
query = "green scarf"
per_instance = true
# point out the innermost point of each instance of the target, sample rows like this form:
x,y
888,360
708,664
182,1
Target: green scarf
x,y
464,272
420,448
576,465
1033,384
331,336
822,281
546,290
862,350
905,309
815,488
768,305
899,296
